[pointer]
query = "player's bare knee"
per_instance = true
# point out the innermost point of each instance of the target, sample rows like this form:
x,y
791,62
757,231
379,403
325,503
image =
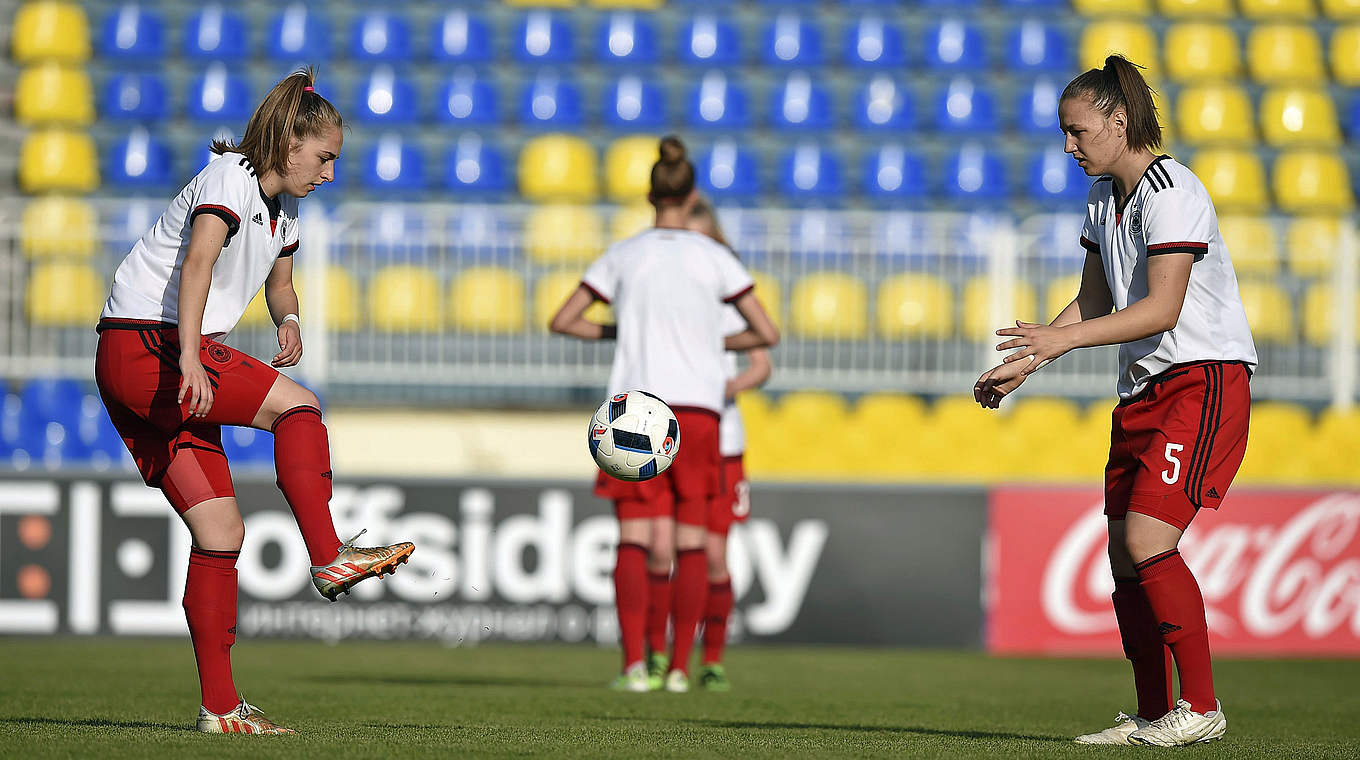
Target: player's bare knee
x,y
1141,544
660,557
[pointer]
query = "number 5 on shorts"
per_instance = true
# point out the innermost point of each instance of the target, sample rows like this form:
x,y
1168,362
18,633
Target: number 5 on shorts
x,y
1170,476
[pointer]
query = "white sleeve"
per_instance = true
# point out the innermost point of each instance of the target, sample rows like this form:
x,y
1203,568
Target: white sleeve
x,y
601,277
290,233
1090,231
732,321
734,280
1175,220
224,192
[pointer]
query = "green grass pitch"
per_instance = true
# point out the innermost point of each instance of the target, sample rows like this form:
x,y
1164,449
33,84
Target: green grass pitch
x,y
129,698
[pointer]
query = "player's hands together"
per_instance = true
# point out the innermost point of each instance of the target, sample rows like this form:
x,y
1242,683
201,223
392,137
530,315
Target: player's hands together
x,y
194,385
290,345
1039,344
997,382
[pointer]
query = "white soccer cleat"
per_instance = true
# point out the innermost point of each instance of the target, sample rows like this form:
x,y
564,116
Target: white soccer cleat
x,y
1124,725
355,563
245,719
633,679
1183,726
677,682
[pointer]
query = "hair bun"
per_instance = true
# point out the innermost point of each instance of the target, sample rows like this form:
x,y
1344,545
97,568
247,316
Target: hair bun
x,y
672,150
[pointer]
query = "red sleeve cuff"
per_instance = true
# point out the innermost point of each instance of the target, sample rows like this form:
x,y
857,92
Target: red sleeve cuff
x,y
1089,244
732,298
598,295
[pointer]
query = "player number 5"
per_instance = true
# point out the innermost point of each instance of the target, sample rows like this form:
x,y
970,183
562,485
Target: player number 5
x,y
1172,475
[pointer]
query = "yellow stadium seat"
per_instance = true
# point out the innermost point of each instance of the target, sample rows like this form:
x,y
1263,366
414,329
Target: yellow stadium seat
x,y
1112,7
1046,430
50,93
1135,41
1195,9
1200,52
1215,114
1269,312
1337,433
55,226
256,315
1235,179
956,427
642,5
1301,10
559,234
1311,244
628,168
813,437
1341,9
1274,447
770,295
915,306
630,220
342,313
1252,243
978,321
404,298
1283,54
885,434
1312,181
1345,55
1059,294
830,305
1319,322
50,30
552,290
1292,116
64,294
487,300
558,168
58,160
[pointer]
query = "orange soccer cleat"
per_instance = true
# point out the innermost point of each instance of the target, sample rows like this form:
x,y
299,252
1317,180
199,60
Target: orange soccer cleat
x,y
355,563
245,719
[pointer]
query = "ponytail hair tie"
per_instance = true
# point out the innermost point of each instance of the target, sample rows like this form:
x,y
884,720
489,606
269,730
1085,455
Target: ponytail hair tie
x,y
308,88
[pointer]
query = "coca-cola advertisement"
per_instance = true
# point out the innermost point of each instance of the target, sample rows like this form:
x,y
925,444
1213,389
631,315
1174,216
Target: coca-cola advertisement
x,y
1279,570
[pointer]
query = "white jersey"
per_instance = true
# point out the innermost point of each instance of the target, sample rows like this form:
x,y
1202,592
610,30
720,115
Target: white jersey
x,y
1168,211
667,288
731,431
260,230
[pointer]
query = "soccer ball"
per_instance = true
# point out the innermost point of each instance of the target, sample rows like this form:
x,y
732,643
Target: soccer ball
x,y
634,436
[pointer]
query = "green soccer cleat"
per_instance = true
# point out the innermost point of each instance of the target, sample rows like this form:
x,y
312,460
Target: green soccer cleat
x,y
634,679
712,677
657,665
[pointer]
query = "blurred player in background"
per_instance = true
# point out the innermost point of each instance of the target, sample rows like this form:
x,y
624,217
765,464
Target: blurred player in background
x,y
668,286
733,503
186,282
1154,256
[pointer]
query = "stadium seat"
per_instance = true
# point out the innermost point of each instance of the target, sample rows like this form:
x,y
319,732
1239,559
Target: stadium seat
x,y
1112,7
343,309
380,36
394,233
404,298
633,102
1132,39
1317,312
1058,294
1252,243
872,42
551,291
550,102
384,98
882,421
1338,433
1345,55
1035,5
256,315
215,34
1269,312
799,104
1340,9
1195,9
1312,181
1284,54
830,305
892,173
1036,107
642,5
558,167
882,105
707,40
915,306
487,300
1235,179
50,399
1215,114
50,93
139,160
727,170
1295,116
465,99
56,227
800,418
64,294
954,424
718,103
1278,431
626,39
57,160
1311,245
460,37
558,234
544,37
49,30
475,167
219,97
1204,52
628,168
134,96
974,173
810,174
133,33
393,164
631,219
955,45
541,3
770,294
247,447
1299,10
965,107
1039,47
297,34
978,321
1054,178
791,40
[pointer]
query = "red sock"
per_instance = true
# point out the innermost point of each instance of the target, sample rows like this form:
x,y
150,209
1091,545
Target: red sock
x,y
630,597
688,592
210,607
715,620
1144,647
658,610
302,461
1175,598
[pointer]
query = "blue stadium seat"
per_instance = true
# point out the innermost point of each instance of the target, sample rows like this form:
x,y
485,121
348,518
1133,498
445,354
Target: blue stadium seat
x,y
215,34
627,39
380,36
138,160
634,103
882,105
133,33
50,399
297,34
395,233
11,421
1055,178
893,173
465,99
964,106
808,174
247,447
727,171
800,105
219,97
384,98
1036,46
134,96
544,37
955,45
707,40
790,40
874,43
974,173
718,103
393,164
49,446
1036,107
1352,118
100,439
551,103
475,167
461,38
950,4
204,149
1056,5
126,223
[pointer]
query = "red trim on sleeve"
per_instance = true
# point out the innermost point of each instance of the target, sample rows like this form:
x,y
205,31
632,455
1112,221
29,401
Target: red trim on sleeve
x,y
598,295
207,207
1197,249
1089,245
289,250
740,293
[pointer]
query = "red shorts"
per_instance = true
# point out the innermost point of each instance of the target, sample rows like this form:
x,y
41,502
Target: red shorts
x,y
684,490
1176,446
733,502
137,370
